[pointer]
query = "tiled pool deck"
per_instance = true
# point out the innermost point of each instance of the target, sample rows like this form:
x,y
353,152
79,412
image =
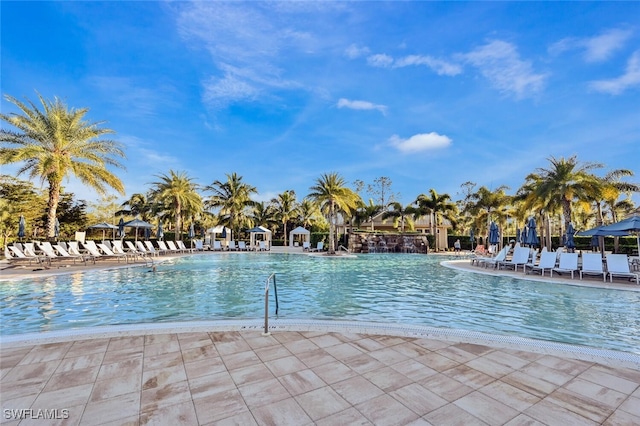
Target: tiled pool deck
x,y
335,374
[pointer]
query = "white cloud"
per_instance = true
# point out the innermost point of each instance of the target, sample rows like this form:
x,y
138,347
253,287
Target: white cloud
x,y
500,63
354,51
221,91
629,79
361,105
420,142
596,49
380,60
438,65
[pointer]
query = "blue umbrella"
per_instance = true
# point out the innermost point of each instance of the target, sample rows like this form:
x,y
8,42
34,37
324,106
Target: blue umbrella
x,y
224,233
121,228
56,228
21,226
570,244
630,225
494,236
192,232
160,232
532,236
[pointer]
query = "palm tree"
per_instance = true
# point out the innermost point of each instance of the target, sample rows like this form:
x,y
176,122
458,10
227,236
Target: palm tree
x,y
332,195
565,182
139,205
262,214
308,213
232,198
366,212
56,142
179,193
401,215
439,206
285,208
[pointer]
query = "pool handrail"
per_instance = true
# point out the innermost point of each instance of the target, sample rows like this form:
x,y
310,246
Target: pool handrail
x,y
266,302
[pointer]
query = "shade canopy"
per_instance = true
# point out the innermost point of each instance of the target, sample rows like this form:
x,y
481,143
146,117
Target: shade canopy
x,y
599,231
259,233
630,225
138,223
224,232
104,226
302,233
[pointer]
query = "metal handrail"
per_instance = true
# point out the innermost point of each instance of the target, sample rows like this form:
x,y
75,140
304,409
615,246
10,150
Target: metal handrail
x,y
266,302
343,248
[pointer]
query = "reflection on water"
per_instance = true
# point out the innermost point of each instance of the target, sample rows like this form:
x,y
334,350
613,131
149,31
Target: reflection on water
x,y
412,289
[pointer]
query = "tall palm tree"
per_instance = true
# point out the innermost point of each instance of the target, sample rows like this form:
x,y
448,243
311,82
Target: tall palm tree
x,y
565,182
262,214
308,213
401,215
232,198
285,208
138,205
56,142
332,195
366,212
177,191
439,206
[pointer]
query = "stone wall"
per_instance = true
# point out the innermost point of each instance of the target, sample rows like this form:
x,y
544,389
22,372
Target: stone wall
x,y
363,242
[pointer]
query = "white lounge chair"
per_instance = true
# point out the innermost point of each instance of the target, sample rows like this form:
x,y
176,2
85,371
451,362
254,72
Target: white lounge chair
x,y
73,247
242,246
17,255
132,250
217,246
199,245
106,251
568,263
48,251
117,248
493,261
618,265
319,246
592,265
520,257
173,247
184,248
547,262
306,246
262,246
163,247
151,249
64,254
232,246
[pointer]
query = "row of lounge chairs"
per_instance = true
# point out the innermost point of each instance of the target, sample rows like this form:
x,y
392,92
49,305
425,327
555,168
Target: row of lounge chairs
x,y
616,265
45,252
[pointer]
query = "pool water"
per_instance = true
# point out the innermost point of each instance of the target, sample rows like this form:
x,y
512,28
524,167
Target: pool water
x,y
392,288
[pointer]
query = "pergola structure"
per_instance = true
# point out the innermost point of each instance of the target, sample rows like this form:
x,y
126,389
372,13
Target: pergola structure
x,y
259,233
303,234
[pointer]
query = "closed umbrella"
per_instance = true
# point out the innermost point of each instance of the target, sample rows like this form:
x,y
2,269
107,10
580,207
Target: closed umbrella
x,y
570,244
147,233
517,235
494,235
121,228
532,236
56,229
192,233
160,232
471,238
21,225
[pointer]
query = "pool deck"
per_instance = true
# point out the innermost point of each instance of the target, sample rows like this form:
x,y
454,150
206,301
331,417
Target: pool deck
x,y
323,373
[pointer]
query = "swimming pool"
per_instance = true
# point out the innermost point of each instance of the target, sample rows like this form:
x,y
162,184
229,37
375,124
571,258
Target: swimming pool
x,y
392,288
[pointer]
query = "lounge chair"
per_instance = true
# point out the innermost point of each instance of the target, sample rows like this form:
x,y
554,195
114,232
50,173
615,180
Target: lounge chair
x,y
184,248
306,246
15,255
106,251
173,247
242,246
63,253
618,265
493,261
133,251
547,262
163,247
199,245
319,246
520,257
217,246
262,246
592,265
48,251
568,263
232,246
151,249
73,247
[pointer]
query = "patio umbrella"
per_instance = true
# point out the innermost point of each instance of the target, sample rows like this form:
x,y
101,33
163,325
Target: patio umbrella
x,y
21,225
121,228
160,232
630,225
224,233
570,244
600,231
471,238
147,233
494,236
56,229
137,223
192,233
532,236
104,226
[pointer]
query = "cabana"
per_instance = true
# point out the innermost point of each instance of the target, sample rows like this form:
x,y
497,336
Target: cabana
x,y
303,234
223,232
264,235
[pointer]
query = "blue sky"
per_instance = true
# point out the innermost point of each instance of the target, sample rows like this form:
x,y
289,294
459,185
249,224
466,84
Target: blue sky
x,y
428,94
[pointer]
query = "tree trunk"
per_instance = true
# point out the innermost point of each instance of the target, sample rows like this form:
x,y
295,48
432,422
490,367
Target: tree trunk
x,y
178,233
54,197
332,227
284,224
599,222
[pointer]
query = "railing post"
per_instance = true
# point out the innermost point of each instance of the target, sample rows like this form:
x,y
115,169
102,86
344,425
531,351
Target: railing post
x,y
266,302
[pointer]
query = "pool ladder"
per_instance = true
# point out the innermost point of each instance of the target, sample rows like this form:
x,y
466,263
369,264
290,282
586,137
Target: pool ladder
x,y
266,301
